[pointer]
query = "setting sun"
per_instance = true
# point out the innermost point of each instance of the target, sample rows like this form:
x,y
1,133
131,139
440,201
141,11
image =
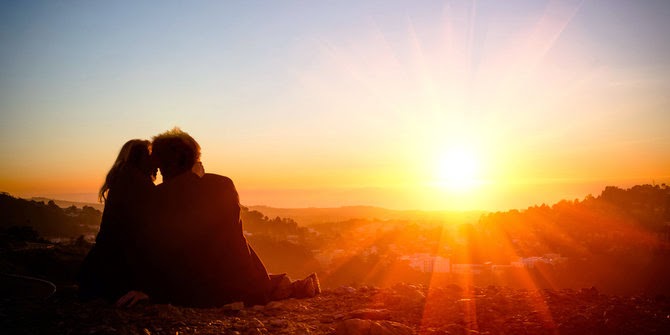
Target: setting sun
x,y
452,105
458,170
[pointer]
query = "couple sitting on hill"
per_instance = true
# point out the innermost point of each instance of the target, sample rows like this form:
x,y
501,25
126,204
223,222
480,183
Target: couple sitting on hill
x,y
180,242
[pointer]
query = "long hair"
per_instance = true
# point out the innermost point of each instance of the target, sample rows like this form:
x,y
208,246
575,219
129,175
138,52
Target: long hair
x,y
131,155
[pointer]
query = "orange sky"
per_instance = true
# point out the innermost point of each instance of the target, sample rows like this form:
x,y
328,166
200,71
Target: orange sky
x,y
344,104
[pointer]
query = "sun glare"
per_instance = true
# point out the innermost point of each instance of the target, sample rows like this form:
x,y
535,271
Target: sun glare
x,y
458,170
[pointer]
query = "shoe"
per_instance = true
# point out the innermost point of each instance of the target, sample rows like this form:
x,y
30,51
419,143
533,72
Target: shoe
x,y
283,288
306,288
316,283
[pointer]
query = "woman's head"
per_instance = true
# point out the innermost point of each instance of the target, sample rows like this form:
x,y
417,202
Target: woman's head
x,y
134,155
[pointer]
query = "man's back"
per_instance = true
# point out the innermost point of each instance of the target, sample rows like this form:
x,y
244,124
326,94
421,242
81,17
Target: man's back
x,y
200,255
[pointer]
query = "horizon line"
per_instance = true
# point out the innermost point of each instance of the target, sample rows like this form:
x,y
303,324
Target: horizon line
x,y
67,197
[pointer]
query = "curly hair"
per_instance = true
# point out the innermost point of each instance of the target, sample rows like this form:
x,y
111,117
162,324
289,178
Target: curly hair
x,y
175,151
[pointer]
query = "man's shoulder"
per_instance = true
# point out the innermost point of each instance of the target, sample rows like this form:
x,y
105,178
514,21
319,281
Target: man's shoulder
x,y
216,186
216,180
186,183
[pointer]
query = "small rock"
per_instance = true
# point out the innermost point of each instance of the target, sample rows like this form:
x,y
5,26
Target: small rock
x,y
339,316
301,329
589,292
456,329
278,323
453,288
368,289
410,293
576,323
414,297
256,331
240,325
327,319
234,306
365,327
492,290
344,290
255,323
169,312
370,314
274,305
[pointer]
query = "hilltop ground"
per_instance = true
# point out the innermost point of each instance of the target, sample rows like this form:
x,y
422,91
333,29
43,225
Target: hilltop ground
x,y
396,310
623,256
401,309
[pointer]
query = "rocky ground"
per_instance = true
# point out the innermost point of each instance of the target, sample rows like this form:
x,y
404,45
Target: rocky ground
x,y
401,309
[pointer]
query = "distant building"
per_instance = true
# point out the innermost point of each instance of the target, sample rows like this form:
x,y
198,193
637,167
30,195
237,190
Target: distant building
x,y
499,269
373,250
474,269
530,262
428,263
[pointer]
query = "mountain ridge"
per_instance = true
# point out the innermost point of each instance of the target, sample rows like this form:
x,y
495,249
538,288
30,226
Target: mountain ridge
x,y
316,215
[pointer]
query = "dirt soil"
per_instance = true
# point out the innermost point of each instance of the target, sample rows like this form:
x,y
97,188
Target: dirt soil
x,y
401,309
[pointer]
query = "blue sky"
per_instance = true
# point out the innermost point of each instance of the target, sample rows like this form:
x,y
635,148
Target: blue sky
x,y
323,95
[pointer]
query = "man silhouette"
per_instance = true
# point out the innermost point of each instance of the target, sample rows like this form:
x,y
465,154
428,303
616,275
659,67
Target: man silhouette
x,y
198,253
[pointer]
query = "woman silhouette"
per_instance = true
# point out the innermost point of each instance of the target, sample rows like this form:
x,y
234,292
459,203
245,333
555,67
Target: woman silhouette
x,y
113,267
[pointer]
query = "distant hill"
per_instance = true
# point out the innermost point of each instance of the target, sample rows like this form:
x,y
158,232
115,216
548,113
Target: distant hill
x,y
68,203
46,218
313,215
310,216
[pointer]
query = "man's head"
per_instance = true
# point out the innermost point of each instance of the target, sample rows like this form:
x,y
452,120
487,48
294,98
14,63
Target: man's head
x,y
175,152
